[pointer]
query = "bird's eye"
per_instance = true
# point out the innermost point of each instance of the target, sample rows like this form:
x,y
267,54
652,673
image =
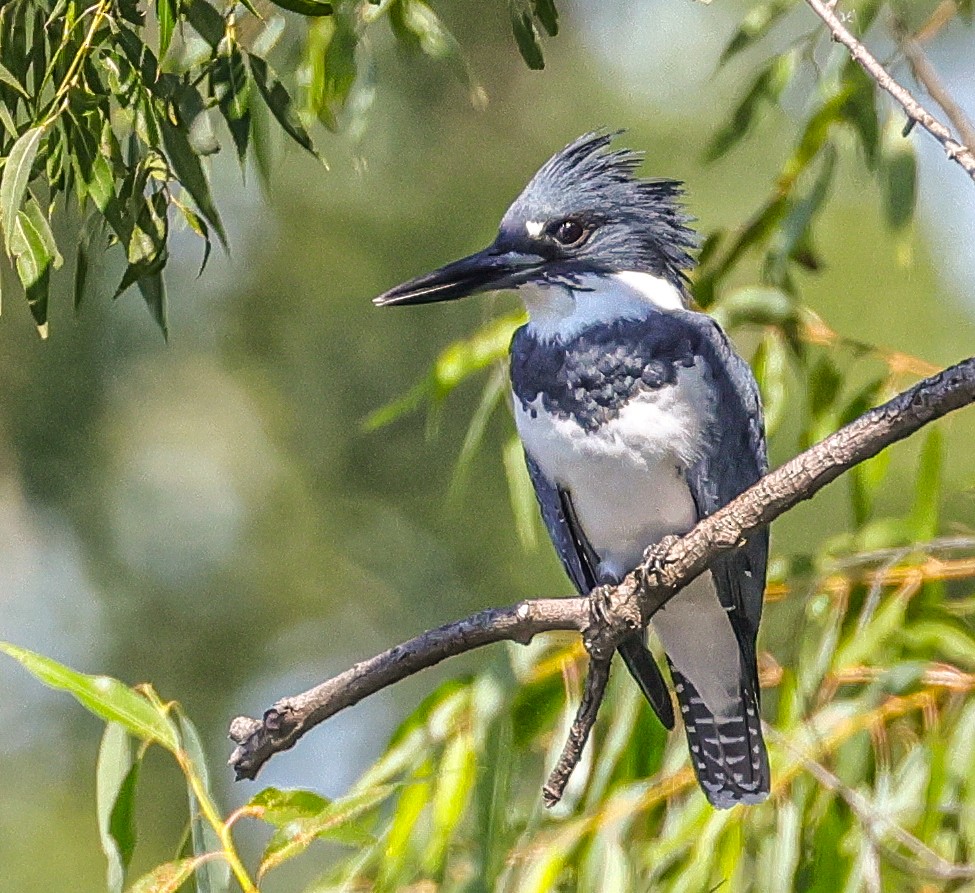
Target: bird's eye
x,y
570,232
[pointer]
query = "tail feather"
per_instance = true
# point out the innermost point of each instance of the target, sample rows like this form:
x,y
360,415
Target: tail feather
x,y
643,668
727,752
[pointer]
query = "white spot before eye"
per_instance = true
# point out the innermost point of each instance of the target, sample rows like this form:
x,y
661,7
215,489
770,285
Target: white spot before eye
x,y
534,228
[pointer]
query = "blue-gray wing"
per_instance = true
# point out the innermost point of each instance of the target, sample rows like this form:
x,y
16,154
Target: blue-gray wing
x,y
570,544
581,563
735,458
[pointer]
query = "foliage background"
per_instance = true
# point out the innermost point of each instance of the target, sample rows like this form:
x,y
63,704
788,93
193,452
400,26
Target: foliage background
x,y
212,515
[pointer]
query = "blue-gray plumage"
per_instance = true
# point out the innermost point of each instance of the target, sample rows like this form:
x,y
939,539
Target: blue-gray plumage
x,y
638,419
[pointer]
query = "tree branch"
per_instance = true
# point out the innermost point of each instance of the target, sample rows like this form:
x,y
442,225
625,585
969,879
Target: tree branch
x,y
963,155
926,75
610,614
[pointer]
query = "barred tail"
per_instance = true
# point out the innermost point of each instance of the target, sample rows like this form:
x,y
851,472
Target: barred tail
x,y
727,751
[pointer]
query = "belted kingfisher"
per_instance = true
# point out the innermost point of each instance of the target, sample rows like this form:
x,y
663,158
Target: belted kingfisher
x,y
638,418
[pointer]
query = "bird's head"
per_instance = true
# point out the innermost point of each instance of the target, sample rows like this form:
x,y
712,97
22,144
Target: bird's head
x,y
585,213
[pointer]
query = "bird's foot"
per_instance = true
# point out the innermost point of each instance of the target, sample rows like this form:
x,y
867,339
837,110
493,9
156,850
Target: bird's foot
x,y
655,556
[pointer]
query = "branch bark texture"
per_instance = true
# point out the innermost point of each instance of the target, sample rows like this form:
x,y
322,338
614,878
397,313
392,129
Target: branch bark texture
x,y
956,151
610,614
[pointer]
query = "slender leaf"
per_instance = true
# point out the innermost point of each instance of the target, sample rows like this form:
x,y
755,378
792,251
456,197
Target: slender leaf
x,y
102,695
188,168
116,778
16,174
279,101
548,15
312,8
337,821
523,26
166,17
166,878
212,876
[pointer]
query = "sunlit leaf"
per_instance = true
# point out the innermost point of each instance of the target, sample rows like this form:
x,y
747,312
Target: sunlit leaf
x,y
927,488
116,779
278,808
166,878
16,174
520,492
166,17
455,781
212,876
331,53
337,821
104,696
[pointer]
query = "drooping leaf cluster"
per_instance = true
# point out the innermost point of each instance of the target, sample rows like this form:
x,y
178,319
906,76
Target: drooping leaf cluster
x,y
108,112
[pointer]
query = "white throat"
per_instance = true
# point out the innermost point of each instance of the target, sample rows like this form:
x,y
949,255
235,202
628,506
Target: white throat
x,y
563,310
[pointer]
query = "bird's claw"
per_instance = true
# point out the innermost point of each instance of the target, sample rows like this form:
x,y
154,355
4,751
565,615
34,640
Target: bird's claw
x,y
655,556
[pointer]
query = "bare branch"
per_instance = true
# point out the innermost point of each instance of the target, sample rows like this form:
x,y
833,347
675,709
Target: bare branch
x,y
915,111
927,77
610,614
592,697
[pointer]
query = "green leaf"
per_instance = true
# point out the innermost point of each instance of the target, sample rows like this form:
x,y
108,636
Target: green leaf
x,y
420,29
470,355
927,490
311,8
520,492
152,287
279,808
523,26
331,55
898,182
456,774
102,695
337,821
16,174
279,101
8,78
166,878
212,876
771,365
231,84
189,170
757,23
206,21
39,222
548,15
116,779
166,17
756,305
860,110
765,88
33,265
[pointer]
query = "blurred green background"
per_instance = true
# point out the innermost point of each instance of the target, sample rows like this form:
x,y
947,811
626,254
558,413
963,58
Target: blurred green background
x,y
211,516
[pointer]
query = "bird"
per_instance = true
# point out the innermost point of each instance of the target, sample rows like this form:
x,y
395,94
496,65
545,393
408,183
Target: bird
x,y
638,419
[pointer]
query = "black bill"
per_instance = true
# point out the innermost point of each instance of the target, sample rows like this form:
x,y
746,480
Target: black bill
x,y
488,270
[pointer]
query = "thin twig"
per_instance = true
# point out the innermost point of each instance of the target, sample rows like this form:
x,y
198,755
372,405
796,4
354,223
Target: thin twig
x,y
610,614
963,155
926,75
592,697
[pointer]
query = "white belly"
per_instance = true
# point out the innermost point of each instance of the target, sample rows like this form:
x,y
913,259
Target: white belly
x,y
626,478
